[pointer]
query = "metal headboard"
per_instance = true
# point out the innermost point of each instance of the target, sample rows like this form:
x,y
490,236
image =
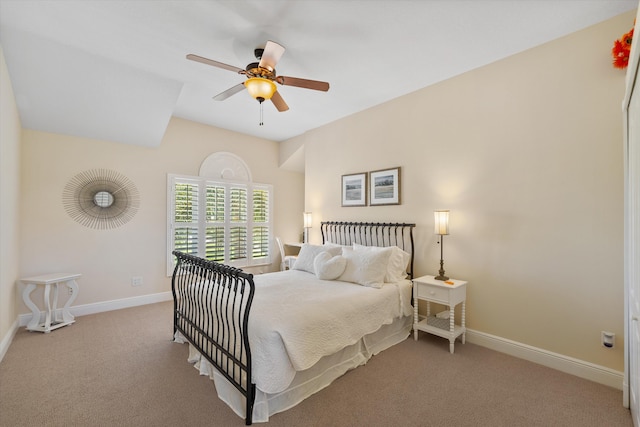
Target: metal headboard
x,y
370,234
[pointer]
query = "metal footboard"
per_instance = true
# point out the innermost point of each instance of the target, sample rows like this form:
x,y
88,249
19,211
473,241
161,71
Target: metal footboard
x,y
211,310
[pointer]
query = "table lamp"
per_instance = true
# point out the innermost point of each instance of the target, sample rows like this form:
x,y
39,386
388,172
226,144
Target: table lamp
x,y
441,228
307,226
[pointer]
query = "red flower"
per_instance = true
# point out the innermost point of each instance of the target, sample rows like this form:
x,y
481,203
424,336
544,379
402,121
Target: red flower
x,y
621,50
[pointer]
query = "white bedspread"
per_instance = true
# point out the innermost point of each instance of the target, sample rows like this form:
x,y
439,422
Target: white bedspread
x,y
296,319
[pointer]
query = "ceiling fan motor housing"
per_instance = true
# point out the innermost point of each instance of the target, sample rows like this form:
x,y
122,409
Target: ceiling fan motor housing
x,y
255,70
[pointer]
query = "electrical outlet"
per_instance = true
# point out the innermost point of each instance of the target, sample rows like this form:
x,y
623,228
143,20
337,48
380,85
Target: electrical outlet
x,y
70,290
608,339
136,281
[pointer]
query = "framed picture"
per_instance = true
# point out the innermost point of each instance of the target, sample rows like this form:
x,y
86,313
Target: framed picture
x,y
385,187
354,189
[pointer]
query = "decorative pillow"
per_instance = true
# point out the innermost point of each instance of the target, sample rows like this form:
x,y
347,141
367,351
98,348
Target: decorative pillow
x,y
328,267
335,246
366,268
398,261
397,268
308,253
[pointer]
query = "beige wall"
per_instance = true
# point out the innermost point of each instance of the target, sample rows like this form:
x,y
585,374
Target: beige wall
x,y
107,259
9,199
527,154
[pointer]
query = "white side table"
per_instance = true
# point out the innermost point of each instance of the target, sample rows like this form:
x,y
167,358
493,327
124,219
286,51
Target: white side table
x,y
53,319
449,293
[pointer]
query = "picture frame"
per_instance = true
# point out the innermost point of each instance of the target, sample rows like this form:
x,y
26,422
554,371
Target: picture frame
x,y
384,187
354,189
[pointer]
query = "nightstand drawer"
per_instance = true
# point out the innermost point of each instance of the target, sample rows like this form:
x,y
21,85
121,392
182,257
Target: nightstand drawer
x,y
433,293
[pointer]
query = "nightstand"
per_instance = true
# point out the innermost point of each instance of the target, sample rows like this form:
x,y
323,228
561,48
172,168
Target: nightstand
x,y
449,293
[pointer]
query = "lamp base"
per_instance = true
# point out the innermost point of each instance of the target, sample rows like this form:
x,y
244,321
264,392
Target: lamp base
x,y
441,275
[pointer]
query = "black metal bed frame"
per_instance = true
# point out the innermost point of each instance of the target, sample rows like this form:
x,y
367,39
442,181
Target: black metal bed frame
x,y
211,304
212,301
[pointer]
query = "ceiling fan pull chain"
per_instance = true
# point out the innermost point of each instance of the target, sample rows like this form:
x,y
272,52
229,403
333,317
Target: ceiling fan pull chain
x,y
261,114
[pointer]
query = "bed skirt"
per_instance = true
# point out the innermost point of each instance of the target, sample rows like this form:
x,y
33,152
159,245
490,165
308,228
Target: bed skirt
x,y
306,382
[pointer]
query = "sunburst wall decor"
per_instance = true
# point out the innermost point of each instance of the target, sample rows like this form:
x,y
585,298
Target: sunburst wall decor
x,y
101,198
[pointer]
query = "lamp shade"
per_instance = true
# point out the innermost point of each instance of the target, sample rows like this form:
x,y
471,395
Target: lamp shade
x,y
259,88
307,219
441,222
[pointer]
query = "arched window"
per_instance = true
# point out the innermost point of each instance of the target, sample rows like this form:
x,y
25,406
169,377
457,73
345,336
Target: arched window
x,y
223,220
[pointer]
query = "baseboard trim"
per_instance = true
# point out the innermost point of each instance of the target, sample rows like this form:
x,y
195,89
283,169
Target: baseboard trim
x,y
99,307
8,338
569,365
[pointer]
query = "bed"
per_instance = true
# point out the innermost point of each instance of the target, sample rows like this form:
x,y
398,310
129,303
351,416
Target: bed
x,y
269,341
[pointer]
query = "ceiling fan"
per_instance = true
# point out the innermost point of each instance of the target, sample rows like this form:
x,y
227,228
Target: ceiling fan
x,y
261,77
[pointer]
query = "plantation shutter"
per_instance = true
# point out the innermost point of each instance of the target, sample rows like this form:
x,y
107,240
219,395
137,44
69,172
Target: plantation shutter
x,y
260,231
214,244
221,221
238,224
186,217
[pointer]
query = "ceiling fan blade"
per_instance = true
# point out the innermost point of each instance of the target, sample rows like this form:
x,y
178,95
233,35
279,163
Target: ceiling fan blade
x,y
271,55
279,102
207,61
227,93
307,84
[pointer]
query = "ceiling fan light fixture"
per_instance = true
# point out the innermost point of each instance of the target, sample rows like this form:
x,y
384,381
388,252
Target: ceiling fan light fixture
x,y
260,88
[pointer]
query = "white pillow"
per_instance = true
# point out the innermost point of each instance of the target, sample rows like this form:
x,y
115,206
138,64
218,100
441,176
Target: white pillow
x,y
366,268
329,267
334,245
398,261
308,253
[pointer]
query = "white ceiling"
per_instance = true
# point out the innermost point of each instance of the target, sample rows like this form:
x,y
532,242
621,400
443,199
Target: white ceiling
x,y
116,70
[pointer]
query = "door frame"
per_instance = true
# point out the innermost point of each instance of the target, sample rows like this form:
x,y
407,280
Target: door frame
x,y
630,189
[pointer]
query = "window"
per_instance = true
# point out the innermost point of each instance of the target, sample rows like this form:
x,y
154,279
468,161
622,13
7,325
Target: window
x,y
223,221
